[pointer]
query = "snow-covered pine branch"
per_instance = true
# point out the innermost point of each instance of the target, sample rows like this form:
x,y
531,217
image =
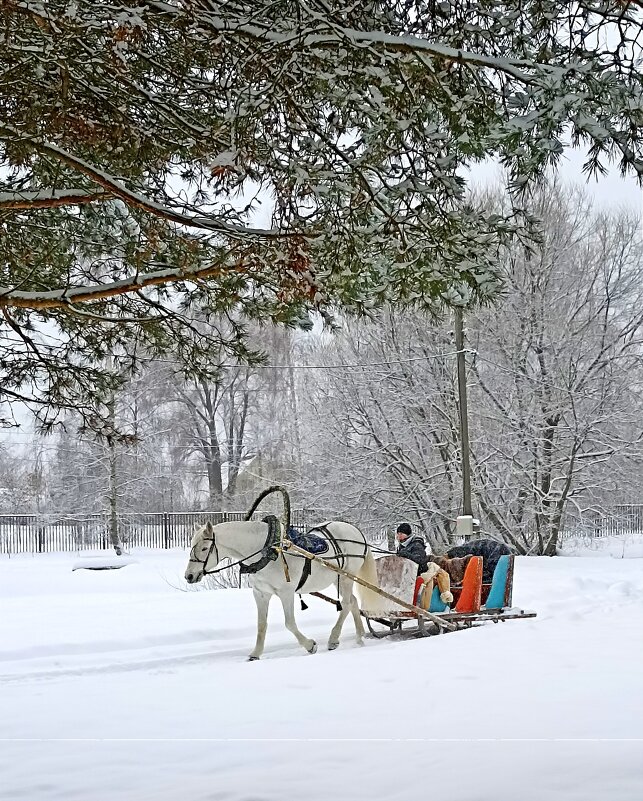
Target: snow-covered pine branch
x,y
346,124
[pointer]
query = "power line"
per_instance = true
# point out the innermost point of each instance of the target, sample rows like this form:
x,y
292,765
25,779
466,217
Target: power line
x,y
327,366
366,364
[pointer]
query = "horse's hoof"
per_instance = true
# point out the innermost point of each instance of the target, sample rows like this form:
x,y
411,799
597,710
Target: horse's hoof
x,y
313,648
332,646
360,643
253,659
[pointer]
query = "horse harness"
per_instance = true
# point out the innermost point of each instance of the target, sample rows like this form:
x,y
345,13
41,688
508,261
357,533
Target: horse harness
x,y
305,573
269,552
272,547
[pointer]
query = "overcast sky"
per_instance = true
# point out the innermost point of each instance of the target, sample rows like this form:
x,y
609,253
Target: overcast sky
x,y
609,191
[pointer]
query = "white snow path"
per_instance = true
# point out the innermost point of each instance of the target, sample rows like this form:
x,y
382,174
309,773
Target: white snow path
x,y
113,684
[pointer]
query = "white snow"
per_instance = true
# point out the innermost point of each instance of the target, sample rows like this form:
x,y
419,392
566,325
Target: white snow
x,y
103,562
626,546
116,684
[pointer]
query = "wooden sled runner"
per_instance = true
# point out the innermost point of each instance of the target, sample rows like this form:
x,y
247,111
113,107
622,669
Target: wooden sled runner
x,y
474,602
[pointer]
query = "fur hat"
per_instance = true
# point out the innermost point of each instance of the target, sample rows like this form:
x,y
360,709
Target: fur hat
x,y
404,528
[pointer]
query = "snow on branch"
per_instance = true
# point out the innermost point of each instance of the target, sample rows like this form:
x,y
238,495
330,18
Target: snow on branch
x,y
60,298
135,199
49,198
518,68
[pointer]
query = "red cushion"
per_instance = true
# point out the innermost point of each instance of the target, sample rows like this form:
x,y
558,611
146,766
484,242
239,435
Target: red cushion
x,y
418,586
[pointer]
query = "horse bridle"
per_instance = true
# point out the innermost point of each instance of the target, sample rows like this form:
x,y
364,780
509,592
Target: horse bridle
x,y
213,547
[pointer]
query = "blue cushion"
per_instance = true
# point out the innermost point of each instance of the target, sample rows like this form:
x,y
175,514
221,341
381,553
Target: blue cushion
x,y
436,604
496,597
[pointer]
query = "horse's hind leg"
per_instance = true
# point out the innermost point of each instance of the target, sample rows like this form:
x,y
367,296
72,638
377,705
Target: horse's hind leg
x,y
288,603
346,593
262,600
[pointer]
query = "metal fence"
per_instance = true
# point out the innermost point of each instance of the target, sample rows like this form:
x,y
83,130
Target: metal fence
x,y
621,520
48,532
42,533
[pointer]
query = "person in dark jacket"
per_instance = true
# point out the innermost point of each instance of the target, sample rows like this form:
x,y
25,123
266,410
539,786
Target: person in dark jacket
x,y
489,550
411,546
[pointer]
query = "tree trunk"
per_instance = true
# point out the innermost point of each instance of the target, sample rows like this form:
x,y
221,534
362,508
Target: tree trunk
x,y
112,528
215,483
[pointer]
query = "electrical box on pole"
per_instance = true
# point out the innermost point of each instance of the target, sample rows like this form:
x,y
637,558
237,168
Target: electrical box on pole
x,y
466,527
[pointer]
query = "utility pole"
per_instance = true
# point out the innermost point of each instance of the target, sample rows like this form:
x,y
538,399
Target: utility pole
x,y
464,423
113,477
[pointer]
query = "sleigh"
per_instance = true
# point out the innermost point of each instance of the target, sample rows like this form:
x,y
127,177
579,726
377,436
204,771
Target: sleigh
x,y
397,587
474,602
388,600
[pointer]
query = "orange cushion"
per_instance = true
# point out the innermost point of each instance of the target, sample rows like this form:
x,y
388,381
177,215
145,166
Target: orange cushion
x,y
470,597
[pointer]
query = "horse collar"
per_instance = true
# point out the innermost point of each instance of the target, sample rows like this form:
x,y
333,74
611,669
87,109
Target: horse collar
x,y
269,552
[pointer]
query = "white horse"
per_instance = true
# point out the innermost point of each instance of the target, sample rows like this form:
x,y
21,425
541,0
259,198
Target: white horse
x,y
254,541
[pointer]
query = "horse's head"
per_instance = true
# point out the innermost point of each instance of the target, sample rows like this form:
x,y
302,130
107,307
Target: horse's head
x,y
203,553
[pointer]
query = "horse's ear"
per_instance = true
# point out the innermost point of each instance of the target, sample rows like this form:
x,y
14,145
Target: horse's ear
x,y
208,528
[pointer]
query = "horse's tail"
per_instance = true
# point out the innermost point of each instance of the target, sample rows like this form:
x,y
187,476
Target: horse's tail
x,y
368,599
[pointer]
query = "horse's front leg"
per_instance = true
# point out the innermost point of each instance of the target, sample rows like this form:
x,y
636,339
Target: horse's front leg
x,y
288,602
345,592
262,599
357,618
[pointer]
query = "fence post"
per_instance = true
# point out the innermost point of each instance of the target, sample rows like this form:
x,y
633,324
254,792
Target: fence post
x,y
166,531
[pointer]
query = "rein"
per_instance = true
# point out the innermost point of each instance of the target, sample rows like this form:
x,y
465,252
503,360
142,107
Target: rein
x,y
269,544
254,567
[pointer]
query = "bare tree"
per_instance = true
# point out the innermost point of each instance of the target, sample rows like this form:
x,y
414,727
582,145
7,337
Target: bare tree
x,y
555,392
212,424
388,420
557,375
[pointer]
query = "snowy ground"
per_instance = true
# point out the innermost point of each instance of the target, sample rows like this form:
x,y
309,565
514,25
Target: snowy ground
x,y
118,685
